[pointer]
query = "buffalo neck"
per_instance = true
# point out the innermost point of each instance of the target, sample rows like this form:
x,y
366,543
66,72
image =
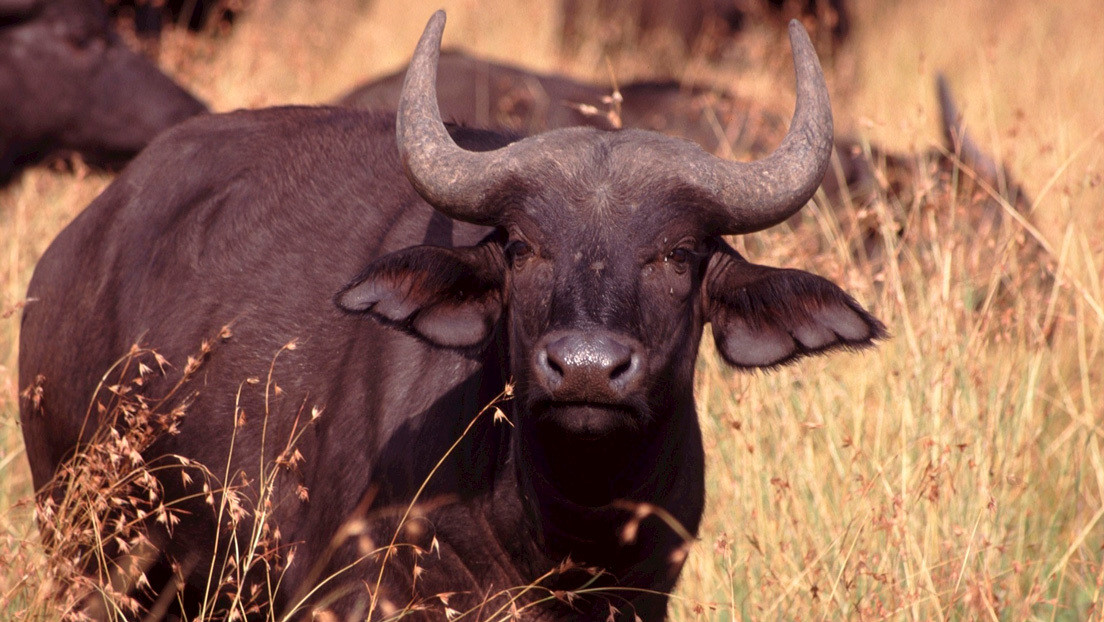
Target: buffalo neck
x,y
586,501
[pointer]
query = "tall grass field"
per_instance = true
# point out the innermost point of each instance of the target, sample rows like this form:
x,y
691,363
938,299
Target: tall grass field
x,y
955,472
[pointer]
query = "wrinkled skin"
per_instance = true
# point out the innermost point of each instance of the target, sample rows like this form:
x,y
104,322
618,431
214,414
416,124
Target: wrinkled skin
x,y
69,84
590,293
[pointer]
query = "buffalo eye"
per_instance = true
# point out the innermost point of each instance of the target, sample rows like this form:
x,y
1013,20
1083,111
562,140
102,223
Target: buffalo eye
x,y
517,252
679,258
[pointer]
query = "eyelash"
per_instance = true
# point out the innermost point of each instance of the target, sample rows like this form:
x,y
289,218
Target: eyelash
x,y
681,257
518,251
684,255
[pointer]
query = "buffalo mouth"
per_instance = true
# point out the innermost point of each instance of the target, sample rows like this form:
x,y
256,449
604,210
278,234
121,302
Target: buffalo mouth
x,y
584,421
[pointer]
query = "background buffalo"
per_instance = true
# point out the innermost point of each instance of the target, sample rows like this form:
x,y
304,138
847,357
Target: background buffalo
x,y
69,84
481,93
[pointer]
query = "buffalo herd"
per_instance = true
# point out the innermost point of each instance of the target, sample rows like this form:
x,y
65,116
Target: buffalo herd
x,y
458,341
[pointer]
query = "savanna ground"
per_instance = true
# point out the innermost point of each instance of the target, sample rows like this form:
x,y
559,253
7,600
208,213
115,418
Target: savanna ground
x,y
955,472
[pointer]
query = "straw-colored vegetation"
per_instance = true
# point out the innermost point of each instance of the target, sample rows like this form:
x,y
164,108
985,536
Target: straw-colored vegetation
x,y
955,472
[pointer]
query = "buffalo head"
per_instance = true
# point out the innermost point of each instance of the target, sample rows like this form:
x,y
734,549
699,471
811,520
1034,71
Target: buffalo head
x,y
606,261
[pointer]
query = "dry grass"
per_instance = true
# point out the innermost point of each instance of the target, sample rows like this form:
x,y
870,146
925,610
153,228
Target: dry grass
x,y
954,473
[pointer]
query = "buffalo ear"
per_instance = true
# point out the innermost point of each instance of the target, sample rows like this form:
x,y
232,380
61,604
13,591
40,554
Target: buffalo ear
x,y
451,297
763,316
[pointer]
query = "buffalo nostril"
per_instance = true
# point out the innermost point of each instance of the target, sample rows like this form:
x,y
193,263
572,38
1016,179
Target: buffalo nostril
x,y
620,369
551,372
554,367
623,372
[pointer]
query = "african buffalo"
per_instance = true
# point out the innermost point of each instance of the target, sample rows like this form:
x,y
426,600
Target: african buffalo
x,y
868,171
416,280
68,83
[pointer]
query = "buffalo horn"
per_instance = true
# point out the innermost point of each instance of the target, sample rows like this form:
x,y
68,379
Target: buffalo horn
x,y
453,180
750,196
763,193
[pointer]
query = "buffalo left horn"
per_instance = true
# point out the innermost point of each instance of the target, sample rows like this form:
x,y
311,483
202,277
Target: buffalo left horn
x,y
451,179
755,195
